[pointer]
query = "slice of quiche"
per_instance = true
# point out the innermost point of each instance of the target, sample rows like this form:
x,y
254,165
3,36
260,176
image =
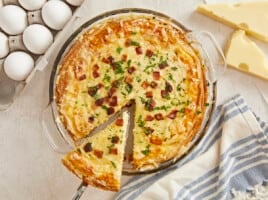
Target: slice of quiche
x,y
98,161
249,16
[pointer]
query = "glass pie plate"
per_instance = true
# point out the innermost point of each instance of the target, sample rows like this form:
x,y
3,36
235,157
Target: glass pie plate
x,y
56,132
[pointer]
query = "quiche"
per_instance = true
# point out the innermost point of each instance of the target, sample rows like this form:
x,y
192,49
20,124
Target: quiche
x,y
135,59
98,160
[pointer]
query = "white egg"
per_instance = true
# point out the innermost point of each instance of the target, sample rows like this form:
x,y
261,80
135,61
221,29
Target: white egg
x,y
37,38
32,4
13,19
75,2
56,14
18,65
4,47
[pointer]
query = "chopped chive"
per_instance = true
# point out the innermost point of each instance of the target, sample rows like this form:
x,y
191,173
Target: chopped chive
x,y
113,164
134,43
119,50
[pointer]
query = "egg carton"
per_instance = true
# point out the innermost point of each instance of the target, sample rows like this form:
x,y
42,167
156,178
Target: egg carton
x,y
21,56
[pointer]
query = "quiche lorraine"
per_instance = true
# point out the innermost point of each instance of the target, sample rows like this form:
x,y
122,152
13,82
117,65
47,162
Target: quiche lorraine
x,y
135,59
98,161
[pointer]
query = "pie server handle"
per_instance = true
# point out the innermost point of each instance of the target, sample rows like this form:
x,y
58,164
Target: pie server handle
x,y
79,192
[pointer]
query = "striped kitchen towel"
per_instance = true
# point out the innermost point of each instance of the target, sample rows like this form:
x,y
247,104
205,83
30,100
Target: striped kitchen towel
x,y
232,156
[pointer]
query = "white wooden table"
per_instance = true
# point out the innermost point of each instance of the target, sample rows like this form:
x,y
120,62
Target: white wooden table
x,y
30,169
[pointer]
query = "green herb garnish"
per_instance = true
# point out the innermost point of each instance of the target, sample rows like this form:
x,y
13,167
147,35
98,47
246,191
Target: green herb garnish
x,y
106,78
140,122
128,88
113,164
119,50
134,43
147,150
119,68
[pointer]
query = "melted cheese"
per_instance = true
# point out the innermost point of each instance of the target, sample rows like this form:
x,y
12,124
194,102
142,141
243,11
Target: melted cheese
x,y
251,59
249,16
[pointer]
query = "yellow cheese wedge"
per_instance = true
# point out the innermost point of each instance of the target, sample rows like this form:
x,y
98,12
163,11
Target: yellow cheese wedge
x,y
243,54
249,16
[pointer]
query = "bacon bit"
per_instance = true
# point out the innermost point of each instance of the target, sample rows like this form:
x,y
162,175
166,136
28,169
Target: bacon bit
x,y
158,116
148,130
149,118
149,94
113,151
150,105
168,87
119,122
156,75
96,67
138,50
153,84
115,84
110,59
131,69
100,85
88,147
164,94
128,42
92,91
172,114
105,60
187,111
98,153
124,57
128,79
163,65
82,77
110,110
144,84
156,140
149,53
115,139
95,74
111,91
106,99
91,119
113,101
99,102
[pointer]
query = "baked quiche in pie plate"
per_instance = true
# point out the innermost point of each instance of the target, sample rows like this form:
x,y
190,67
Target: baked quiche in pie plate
x,y
138,62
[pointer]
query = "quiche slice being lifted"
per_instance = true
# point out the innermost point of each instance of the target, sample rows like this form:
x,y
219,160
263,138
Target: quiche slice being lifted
x,y
98,161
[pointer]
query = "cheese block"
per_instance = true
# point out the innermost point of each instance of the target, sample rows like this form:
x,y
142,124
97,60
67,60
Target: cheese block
x,y
243,54
249,16
99,160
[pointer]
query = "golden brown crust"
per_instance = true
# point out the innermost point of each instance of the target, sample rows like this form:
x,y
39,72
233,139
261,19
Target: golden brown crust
x,y
84,172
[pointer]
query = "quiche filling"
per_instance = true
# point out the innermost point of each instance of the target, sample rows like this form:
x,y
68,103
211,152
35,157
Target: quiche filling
x,y
98,161
140,59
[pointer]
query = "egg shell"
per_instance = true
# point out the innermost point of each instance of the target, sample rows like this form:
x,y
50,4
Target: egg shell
x,y
32,4
13,19
4,47
75,2
37,38
56,14
18,65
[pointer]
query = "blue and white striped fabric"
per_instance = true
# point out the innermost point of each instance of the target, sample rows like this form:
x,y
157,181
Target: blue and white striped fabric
x,y
233,155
